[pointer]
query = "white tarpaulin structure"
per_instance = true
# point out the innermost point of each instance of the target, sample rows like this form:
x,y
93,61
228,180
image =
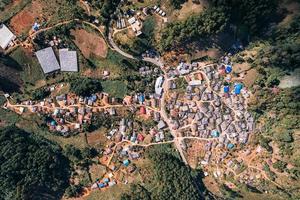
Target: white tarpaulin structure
x,y
6,36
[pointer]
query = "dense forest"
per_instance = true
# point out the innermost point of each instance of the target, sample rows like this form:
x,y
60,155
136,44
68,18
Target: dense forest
x,y
207,23
246,17
85,86
31,166
172,179
4,3
254,15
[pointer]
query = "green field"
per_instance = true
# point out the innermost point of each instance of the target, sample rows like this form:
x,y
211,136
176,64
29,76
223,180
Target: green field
x,y
112,193
117,89
32,71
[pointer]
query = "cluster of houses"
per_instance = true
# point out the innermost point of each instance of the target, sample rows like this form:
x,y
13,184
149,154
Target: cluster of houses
x,y
49,63
136,25
213,106
68,113
120,167
159,11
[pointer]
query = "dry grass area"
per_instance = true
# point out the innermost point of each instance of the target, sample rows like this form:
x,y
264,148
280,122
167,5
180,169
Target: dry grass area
x,y
211,53
97,171
111,193
188,8
250,77
97,138
78,141
195,152
241,67
90,44
22,22
125,37
211,184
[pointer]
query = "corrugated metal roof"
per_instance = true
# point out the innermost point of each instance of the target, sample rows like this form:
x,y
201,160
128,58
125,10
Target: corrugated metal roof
x,y
47,60
6,36
68,60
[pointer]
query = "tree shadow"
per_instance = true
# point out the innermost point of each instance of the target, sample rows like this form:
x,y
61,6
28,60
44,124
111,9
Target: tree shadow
x,y
8,86
10,62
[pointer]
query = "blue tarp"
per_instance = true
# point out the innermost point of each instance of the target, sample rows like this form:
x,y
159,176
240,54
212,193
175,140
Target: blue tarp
x,y
106,180
237,88
228,69
230,146
126,162
35,26
141,98
226,89
215,133
101,185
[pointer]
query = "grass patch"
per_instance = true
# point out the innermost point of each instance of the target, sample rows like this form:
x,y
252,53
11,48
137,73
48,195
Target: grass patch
x,y
2,100
116,88
32,71
8,117
114,63
111,193
12,10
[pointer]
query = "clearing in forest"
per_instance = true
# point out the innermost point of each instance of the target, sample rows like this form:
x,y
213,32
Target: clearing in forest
x,y
90,44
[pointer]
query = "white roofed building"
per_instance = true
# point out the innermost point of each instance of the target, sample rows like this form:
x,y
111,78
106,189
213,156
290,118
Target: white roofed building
x,y
6,36
68,60
47,60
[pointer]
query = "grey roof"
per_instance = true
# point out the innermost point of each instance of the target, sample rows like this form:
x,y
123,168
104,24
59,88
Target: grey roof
x,y
47,60
68,60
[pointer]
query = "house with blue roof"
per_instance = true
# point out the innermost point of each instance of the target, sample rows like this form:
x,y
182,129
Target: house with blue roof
x,y
228,69
215,133
230,146
237,88
141,98
126,163
226,89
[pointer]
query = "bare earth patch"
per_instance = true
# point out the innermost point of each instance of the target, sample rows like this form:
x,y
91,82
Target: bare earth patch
x,y
23,21
250,77
189,8
97,137
292,80
90,44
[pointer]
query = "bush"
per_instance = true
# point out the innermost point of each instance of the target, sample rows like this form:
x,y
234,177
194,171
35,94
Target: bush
x,y
40,94
205,24
280,165
85,86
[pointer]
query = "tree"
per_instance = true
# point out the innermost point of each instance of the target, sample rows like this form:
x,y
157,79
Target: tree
x,y
252,14
40,94
138,192
280,165
73,191
85,86
207,23
177,3
31,167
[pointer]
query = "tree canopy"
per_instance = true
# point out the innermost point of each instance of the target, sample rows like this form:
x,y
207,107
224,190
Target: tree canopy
x,y
177,3
85,86
31,166
254,14
209,22
172,179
